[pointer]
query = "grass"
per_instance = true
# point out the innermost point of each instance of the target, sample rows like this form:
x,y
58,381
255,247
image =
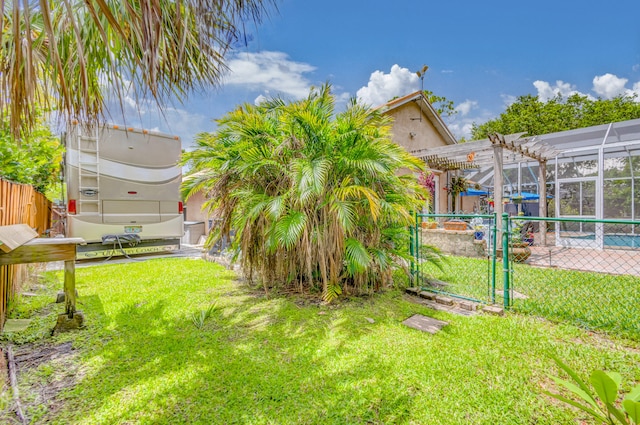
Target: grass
x,y
596,301
147,358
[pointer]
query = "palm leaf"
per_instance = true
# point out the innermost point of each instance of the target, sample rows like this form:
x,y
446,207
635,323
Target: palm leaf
x,y
164,49
345,213
356,256
313,197
354,192
289,228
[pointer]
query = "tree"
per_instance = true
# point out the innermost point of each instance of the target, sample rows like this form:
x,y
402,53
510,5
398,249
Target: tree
x,y
315,198
532,116
36,161
59,54
443,106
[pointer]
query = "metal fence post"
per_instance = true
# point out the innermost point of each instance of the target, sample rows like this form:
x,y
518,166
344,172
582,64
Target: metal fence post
x,y
418,242
412,251
494,237
505,260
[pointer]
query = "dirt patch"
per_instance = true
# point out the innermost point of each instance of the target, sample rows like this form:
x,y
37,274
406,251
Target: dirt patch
x,y
44,371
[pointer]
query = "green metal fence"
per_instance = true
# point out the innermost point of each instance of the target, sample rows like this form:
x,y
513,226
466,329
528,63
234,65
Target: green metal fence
x,y
582,271
467,269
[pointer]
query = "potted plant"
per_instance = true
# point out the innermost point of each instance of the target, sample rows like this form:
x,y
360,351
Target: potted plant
x,y
455,224
516,199
429,224
478,228
519,249
457,186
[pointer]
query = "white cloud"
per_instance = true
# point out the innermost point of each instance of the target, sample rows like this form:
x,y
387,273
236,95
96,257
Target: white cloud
x,y
269,72
147,114
342,97
606,86
461,129
260,99
185,124
609,86
384,87
508,99
465,107
462,124
546,91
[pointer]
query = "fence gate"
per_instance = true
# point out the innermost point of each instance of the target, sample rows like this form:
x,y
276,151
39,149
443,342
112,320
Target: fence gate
x,y
454,255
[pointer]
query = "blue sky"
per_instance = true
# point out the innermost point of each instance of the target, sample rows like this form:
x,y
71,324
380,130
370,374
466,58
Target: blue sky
x,y
481,55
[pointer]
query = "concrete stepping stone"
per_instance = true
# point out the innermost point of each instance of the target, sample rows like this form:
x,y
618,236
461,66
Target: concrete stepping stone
x,y
424,323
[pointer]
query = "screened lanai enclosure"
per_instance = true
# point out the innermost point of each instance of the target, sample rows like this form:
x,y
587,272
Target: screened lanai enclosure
x,y
587,176
565,224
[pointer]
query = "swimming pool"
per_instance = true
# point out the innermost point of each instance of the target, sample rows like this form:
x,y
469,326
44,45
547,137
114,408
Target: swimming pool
x,y
624,240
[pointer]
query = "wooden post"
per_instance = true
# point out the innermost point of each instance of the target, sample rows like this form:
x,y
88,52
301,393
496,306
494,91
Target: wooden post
x,y
70,287
542,200
41,250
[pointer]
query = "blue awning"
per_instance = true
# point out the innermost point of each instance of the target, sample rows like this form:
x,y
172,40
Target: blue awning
x,y
528,196
474,192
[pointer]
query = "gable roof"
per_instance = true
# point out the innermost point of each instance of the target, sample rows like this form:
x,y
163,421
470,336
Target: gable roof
x,y
427,109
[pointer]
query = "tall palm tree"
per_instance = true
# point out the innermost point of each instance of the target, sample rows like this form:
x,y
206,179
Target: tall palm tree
x,y
316,198
60,53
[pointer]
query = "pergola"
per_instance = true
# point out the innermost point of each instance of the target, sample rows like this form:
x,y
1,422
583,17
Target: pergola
x,y
491,152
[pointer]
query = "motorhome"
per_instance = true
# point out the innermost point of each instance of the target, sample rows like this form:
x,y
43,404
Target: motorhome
x,y
123,190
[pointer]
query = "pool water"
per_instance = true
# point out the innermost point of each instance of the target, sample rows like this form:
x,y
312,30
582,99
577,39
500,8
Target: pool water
x,y
622,240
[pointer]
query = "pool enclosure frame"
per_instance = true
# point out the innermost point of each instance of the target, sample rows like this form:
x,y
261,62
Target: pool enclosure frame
x,y
580,172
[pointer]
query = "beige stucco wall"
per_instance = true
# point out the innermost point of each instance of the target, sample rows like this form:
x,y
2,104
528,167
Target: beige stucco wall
x,y
469,203
194,208
408,120
456,242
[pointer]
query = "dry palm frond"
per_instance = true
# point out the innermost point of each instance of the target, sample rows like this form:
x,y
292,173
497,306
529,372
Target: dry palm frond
x,y
59,54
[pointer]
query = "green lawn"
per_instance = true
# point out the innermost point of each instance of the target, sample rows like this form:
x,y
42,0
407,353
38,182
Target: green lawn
x,y
279,360
597,301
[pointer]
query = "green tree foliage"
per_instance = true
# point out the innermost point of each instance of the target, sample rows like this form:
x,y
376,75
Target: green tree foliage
x,y
60,53
443,106
315,198
532,116
35,160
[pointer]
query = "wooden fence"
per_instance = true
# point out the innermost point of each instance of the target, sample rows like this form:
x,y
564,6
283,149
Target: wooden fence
x,y
19,204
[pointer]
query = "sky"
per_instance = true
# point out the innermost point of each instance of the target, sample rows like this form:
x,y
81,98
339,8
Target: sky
x,y
481,55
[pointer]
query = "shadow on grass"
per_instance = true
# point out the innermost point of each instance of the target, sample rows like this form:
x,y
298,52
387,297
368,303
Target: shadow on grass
x,y
254,360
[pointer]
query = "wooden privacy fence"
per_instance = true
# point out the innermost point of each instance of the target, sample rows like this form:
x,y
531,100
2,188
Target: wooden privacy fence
x,y
19,204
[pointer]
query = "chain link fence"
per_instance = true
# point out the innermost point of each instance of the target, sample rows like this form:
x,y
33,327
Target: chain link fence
x,y
581,271
587,272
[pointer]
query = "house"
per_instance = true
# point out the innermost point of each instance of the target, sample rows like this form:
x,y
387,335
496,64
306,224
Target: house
x,y
418,127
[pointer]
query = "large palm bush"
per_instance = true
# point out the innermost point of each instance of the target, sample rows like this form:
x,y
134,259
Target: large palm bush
x,y
319,201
